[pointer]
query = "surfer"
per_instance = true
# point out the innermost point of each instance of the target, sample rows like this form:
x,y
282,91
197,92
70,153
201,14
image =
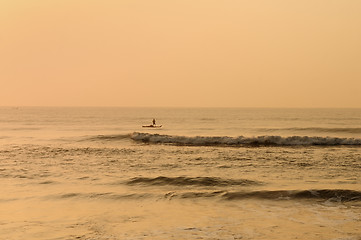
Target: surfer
x,y
153,125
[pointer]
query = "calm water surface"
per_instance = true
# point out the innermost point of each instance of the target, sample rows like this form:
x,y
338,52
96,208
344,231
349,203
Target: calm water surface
x,y
95,173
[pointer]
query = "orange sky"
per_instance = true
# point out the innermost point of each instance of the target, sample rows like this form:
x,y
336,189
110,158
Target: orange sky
x,y
181,53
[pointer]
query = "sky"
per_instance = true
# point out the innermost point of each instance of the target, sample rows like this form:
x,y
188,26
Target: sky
x,y
180,53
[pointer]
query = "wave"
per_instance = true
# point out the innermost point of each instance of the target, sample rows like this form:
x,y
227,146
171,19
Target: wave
x,y
113,137
353,130
333,195
188,181
244,141
330,195
106,195
338,195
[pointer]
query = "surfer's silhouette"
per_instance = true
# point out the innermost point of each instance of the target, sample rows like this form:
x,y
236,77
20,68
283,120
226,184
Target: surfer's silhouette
x,y
153,125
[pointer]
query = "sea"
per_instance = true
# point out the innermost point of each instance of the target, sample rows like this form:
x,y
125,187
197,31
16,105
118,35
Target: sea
x,y
207,173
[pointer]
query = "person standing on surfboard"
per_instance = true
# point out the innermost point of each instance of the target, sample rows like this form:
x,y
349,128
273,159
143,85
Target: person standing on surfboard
x,y
153,125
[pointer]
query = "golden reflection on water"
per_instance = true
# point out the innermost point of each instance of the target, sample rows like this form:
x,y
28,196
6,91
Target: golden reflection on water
x,y
97,218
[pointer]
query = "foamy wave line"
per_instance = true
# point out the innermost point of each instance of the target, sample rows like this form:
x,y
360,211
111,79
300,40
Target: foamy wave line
x,y
244,141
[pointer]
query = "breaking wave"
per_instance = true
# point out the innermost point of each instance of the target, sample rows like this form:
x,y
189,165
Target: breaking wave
x,y
188,181
244,141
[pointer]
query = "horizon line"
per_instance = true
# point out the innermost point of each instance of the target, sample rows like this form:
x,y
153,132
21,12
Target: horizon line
x,y
109,106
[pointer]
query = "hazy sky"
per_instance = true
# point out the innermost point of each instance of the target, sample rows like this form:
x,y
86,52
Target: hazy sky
x,y
210,53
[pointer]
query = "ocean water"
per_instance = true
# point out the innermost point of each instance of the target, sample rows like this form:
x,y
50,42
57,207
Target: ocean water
x,y
95,173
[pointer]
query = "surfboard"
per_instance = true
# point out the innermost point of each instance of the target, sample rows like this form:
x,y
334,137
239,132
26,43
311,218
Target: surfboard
x,y
152,126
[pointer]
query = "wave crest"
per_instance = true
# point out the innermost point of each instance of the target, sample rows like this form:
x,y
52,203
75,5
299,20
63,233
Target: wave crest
x,y
331,195
244,141
188,181
113,137
352,130
336,195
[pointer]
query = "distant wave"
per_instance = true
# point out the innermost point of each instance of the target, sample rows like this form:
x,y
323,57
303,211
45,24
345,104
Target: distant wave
x,y
315,129
187,181
107,195
244,141
110,137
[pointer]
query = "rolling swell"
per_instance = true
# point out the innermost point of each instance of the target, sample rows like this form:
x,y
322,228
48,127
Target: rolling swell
x,y
337,195
113,137
188,181
97,195
244,141
333,195
315,129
